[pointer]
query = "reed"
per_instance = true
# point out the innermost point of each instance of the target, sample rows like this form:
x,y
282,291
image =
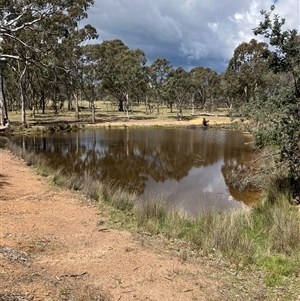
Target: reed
x,y
29,157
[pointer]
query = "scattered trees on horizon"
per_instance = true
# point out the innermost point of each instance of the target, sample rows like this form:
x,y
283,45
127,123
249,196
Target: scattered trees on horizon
x,y
46,61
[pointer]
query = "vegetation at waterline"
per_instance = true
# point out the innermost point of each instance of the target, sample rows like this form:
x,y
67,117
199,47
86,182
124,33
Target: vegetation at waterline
x,y
266,236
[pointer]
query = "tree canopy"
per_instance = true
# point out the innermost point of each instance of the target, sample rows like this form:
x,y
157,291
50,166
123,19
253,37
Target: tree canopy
x,y
277,115
36,33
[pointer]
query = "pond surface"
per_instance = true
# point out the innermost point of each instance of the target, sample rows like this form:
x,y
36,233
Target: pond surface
x,y
186,166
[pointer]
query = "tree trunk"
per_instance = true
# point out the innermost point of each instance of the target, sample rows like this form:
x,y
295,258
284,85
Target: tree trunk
x,y
120,100
3,110
43,102
157,100
193,104
76,106
247,93
33,111
253,91
127,105
93,112
23,98
179,111
70,107
147,106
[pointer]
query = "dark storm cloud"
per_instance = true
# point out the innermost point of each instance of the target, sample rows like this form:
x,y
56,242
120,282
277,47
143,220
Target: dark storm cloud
x,y
188,33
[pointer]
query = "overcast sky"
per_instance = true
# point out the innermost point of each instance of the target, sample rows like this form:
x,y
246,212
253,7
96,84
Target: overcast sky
x,y
187,33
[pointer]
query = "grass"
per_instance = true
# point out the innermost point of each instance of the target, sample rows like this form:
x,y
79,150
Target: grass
x,y
267,236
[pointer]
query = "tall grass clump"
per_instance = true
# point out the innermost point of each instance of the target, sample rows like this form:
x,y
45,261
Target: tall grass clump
x,y
29,157
279,220
151,215
280,224
113,194
226,233
276,187
155,216
3,142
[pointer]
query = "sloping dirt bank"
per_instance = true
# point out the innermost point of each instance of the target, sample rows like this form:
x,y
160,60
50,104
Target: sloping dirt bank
x,y
53,248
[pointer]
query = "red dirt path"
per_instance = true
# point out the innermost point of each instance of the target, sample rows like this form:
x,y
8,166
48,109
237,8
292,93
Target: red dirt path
x,y
52,248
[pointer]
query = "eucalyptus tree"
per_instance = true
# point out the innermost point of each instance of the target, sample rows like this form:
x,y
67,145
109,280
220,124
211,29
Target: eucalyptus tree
x,y
143,91
176,89
203,87
249,63
91,74
33,30
160,68
131,74
123,71
279,114
108,51
11,87
69,54
231,89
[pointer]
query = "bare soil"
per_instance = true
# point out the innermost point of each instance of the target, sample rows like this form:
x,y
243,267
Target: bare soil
x,y
197,120
119,119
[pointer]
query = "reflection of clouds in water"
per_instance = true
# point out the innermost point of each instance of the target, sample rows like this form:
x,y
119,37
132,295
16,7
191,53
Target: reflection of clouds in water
x,y
202,188
230,198
186,164
209,188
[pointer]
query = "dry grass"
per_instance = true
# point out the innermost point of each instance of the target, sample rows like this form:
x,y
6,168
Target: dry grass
x,y
107,115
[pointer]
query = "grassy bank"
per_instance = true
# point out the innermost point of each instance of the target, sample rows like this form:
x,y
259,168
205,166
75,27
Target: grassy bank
x,y
266,236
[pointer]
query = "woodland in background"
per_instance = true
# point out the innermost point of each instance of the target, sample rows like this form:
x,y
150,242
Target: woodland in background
x,y
47,61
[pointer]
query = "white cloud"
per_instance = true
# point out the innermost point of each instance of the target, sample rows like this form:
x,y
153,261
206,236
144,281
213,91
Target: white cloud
x,y
213,26
195,32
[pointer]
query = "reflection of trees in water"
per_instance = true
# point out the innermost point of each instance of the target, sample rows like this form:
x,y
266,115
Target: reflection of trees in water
x,y
236,159
129,157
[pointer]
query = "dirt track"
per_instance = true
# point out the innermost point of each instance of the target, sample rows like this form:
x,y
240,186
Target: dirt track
x,y
54,247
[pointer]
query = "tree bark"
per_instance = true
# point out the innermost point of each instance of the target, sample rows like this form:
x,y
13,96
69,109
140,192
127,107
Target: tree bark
x,y
179,111
3,109
147,106
76,106
127,105
23,98
93,112
193,104
120,104
43,102
33,111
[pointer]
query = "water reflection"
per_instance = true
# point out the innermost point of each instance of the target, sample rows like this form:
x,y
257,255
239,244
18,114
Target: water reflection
x,y
186,165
